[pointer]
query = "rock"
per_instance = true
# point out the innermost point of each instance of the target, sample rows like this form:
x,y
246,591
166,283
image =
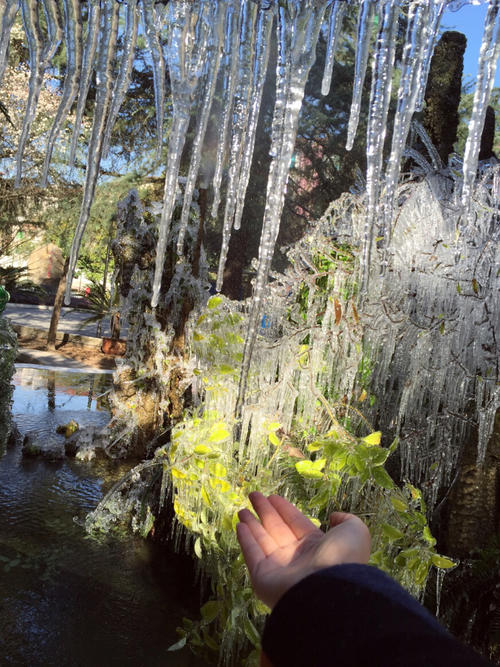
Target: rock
x,y
15,437
86,444
33,448
67,429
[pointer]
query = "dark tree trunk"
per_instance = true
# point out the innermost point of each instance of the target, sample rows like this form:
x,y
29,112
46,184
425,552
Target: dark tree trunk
x,y
442,95
56,311
488,136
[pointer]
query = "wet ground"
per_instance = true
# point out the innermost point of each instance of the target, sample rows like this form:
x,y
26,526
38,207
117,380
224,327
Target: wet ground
x,y
66,598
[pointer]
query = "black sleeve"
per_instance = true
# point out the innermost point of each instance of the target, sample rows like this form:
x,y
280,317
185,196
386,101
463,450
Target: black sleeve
x,y
355,615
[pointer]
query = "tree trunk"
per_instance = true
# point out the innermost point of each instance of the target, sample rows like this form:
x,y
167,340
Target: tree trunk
x,y
56,311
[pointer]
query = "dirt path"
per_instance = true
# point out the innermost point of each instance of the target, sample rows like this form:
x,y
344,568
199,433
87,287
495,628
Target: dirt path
x,y
86,356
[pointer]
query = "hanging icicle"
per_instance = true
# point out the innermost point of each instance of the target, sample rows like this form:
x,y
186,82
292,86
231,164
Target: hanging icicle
x,y
335,25
104,88
242,102
73,43
230,68
123,79
89,53
41,50
298,29
153,41
365,20
383,63
417,38
8,12
488,58
188,40
218,19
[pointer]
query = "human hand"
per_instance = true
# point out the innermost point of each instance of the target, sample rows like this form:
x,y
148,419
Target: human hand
x,y
285,546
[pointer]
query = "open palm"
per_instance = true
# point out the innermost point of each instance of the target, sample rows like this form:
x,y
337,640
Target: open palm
x,y
285,546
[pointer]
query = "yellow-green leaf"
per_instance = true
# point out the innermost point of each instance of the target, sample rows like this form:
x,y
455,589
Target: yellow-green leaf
x,y
373,438
380,475
428,536
218,432
214,302
197,548
391,532
274,439
202,450
178,473
210,610
205,497
399,504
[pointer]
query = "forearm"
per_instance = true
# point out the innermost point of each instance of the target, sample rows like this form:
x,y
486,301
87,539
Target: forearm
x,y
355,615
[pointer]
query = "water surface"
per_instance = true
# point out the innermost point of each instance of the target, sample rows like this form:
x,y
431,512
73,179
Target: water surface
x,y
65,598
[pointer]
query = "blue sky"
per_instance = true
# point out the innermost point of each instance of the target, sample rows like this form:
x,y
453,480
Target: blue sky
x,y
469,20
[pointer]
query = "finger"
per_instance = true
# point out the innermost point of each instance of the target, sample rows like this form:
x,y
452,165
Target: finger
x,y
299,524
336,518
252,552
258,532
351,537
272,521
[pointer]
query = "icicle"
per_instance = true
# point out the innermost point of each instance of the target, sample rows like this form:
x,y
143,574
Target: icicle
x,y
365,20
231,65
218,19
413,55
104,88
189,32
298,29
123,79
240,122
158,63
488,57
264,26
40,53
89,52
265,22
437,8
335,25
73,43
432,152
8,13
383,62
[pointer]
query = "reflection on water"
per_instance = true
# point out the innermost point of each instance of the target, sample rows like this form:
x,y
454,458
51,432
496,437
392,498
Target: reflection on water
x,y
66,599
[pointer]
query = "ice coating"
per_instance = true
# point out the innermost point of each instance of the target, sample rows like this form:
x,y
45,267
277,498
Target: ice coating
x,y
365,19
263,46
41,48
73,42
488,58
190,45
436,8
89,53
298,30
241,113
411,70
8,11
383,63
104,88
123,78
158,64
218,19
230,67
335,24
188,40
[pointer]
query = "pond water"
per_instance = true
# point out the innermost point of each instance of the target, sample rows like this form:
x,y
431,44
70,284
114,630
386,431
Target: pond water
x,y
66,598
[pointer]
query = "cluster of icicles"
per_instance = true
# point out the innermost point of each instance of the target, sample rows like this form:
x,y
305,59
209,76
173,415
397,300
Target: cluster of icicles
x,y
206,44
